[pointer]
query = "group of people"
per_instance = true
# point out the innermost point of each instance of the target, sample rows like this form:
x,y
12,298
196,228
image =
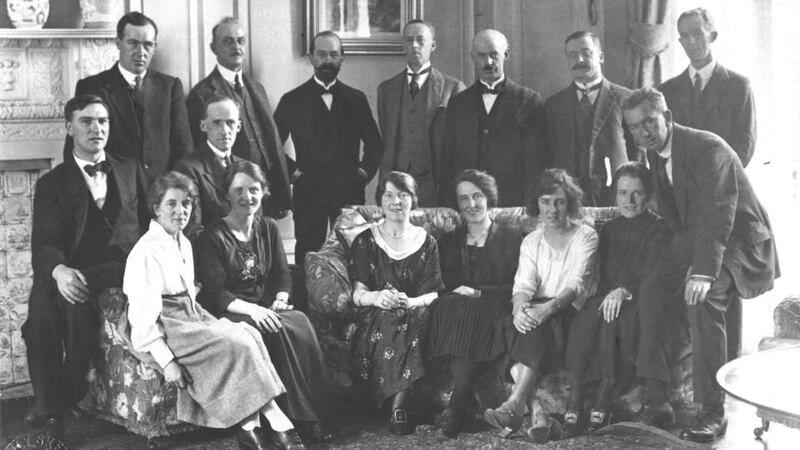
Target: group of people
x,y
161,195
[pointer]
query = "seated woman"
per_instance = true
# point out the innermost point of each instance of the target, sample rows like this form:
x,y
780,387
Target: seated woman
x,y
555,276
394,268
478,261
242,267
222,369
622,331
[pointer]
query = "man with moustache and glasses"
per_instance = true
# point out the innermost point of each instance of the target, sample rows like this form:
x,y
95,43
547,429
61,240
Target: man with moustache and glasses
x,y
495,125
327,121
586,135
258,140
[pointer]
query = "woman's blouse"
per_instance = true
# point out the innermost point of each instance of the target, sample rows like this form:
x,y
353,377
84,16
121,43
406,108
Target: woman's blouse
x,y
229,269
545,272
158,265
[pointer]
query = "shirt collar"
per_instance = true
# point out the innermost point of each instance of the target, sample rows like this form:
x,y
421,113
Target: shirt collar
x,y
218,152
229,75
666,152
496,82
326,87
705,71
101,156
130,77
424,66
590,84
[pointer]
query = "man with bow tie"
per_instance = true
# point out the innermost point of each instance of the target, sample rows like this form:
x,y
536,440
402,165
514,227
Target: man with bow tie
x,y
88,213
586,135
411,112
722,240
495,125
146,108
327,121
258,139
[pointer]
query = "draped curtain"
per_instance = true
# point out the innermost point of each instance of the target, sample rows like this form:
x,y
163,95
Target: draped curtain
x,y
649,27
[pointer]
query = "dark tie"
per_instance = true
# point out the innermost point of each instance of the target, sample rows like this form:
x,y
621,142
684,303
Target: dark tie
x,y
237,86
698,85
137,83
413,86
585,102
661,173
492,91
92,169
226,161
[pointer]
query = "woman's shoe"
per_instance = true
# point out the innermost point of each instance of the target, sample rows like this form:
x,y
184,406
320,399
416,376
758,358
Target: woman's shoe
x,y
287,440
450,422
505,419
399,423
315,432
598,419
544,428
252,439
571,423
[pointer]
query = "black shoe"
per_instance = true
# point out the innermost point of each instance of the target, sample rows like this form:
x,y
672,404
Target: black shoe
x,y
252,440
570,423
708,428
314,432
54,427
598,418
34,420
287,440
450,422
399,423
660,416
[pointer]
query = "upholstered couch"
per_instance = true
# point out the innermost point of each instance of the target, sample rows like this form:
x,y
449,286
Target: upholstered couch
x,y
331,307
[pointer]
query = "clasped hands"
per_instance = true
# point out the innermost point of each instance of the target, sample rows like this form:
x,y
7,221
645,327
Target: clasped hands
x,y
527,316
393,299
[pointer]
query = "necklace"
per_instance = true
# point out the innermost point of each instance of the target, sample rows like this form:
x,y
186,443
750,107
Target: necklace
x,y
385,231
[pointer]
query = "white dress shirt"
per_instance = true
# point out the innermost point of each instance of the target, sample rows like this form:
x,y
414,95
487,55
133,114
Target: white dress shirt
x,y
221,154
230,76
705,73
489,99
592,94
157,265
327,97
98,184
421,78
666,153
544,272
130,77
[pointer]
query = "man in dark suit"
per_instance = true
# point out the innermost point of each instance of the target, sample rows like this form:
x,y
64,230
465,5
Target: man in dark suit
x,y
586,135
87,214
258,141
146,108
411,112
327,121
494,125
708,96
207,164
722,237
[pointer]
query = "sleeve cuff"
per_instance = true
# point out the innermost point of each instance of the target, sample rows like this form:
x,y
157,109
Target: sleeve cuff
x,y
161,353
282,296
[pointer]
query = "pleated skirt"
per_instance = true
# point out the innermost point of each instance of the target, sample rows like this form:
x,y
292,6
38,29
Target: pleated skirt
x,y
469,328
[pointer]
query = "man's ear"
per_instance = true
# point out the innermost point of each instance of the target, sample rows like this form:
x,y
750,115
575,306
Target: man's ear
x,y
602,57
203,125
713,36
433,46
668,116
68,128
507,53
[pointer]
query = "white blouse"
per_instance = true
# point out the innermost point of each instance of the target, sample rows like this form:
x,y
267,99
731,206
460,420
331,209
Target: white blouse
x,y
544,272
158,265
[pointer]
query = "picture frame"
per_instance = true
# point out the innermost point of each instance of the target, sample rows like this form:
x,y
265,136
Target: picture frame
x,y
366,27
68,19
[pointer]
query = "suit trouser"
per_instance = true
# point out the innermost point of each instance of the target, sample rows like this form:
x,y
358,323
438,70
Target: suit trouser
x,y
60,338
311,228
709,339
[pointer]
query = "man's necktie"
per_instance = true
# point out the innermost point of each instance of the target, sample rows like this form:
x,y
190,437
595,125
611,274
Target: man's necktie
x,y
492,91
137,83
92,169
226,161
698,85
413,85
585,102
661,173
237,86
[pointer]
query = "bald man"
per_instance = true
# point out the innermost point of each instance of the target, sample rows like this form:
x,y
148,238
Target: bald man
x,y
494,125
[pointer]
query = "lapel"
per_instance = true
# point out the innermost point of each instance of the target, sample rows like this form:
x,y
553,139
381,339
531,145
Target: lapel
x,y
504,106
713,89
218,84
605,103
679,171
153,91
212,170
76,195
120,100
435,89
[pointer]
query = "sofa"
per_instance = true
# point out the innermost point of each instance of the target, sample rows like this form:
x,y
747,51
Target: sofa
x,y
331,309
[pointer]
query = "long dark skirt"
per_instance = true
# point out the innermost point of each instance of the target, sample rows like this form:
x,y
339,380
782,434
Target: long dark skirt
x,y
543,348
298,360
468,328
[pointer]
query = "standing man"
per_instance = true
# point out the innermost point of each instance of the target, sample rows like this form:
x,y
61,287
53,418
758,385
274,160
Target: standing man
x,y
494,125
411,112
708,96
586,135
87,214
327,121
722,237
258,142
146,108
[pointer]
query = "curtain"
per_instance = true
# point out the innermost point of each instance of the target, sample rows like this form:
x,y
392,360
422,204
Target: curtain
x,y
649,27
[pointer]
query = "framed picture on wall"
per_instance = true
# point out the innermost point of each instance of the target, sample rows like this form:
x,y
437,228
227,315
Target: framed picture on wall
x,y
366,27
24,19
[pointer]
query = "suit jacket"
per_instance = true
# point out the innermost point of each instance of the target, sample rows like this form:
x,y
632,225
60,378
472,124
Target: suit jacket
x,y
301,113
163,139
441,89
206,170
717,219
726,108
213,85
515,138
610,137
60,208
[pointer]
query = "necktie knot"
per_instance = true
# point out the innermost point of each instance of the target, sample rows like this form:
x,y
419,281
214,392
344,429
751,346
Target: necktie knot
x,y
586,90
137,82
237,85
93,169
698,84
413,85
225,160
491,91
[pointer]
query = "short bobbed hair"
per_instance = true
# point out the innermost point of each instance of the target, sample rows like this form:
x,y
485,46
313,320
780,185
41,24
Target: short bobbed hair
x,y
171,180
136,19
646,95
79,102
636,169
548,183
402,181
485,182
248,168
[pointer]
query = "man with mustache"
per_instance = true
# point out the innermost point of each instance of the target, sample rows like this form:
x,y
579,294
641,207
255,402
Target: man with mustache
x,y
327,121
258,140
87,214
146,108
586,135
411,112
495,125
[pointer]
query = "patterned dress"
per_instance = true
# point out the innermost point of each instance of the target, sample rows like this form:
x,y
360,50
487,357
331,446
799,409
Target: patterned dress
x,y
388,345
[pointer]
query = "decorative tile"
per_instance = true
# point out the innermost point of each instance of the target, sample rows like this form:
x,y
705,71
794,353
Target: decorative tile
x,y
17,183
19,287
34,179
19,264
21,369
17,343
18,236
4,294
3,266
6,369
13,74
17,310
18,210
5,322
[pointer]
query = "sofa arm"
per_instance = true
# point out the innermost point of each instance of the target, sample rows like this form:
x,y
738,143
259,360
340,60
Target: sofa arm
x,y
328,284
